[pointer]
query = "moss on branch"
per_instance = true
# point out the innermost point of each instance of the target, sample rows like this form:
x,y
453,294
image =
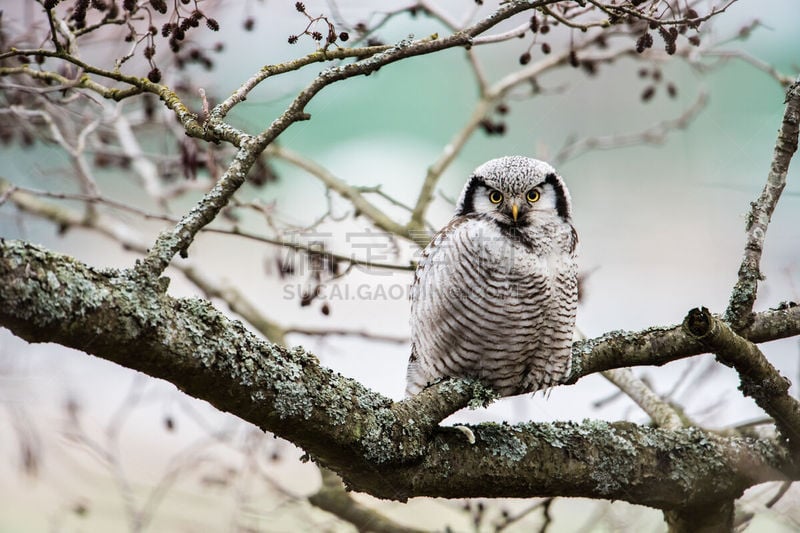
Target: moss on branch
x,y
660,345
391,450
595,459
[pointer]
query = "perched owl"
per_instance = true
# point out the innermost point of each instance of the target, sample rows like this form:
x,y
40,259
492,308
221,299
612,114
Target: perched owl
x,y
495,292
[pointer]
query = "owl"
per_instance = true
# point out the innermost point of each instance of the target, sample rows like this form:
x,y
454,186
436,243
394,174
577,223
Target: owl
x,y
495,292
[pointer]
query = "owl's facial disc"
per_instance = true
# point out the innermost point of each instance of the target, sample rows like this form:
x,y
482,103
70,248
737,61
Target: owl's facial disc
x,y
514,196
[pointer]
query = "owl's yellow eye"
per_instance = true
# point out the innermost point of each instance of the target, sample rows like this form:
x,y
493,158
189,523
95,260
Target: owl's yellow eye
x,y
495,197
532,196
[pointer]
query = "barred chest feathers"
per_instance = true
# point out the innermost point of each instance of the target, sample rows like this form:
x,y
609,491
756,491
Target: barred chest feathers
x,y
495,292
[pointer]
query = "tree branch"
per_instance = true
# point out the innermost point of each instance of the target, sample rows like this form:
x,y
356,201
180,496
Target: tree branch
x,y
740,308
660,345
655,134
759,379
239,95
662,414
333,497
361,204
391,450
178,239
237,301
83,81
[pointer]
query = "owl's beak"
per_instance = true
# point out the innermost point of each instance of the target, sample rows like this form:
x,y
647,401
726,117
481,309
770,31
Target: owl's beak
x,y
514,211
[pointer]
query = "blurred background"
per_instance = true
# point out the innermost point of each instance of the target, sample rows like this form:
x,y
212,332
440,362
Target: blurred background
x,y
90,446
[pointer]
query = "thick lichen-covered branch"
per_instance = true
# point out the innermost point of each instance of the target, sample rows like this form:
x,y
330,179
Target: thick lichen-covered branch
x,y
660,345
647,466
128,319
759,379
389,449
67,219
740,308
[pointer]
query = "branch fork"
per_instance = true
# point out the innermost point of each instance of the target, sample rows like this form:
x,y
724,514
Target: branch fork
x,y
760,380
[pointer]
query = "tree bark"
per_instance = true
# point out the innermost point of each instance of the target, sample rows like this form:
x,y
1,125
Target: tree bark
x,y
393,450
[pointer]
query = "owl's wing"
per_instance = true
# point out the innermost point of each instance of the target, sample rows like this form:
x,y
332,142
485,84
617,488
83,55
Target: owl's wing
x,y
430,291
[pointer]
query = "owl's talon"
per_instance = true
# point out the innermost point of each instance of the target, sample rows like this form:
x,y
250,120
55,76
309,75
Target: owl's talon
x,y
467,432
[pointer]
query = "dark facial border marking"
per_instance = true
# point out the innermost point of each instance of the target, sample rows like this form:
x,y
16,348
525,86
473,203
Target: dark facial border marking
x,y
561,200
469,196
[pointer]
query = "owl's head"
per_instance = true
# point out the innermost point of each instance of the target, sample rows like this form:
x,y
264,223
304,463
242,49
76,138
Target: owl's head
x,y
515,191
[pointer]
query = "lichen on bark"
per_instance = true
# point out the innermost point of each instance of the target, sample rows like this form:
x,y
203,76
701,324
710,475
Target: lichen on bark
x,y
389,449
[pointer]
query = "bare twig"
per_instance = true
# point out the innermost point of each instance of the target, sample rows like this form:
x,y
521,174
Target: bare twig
x,y
325,254
324,332
604,23
509,519
740,307
548,517
144,167
655,134
363,206
513,33
617,10
662,414
83,82
221,110
784,488
492,95
725,55
333,498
